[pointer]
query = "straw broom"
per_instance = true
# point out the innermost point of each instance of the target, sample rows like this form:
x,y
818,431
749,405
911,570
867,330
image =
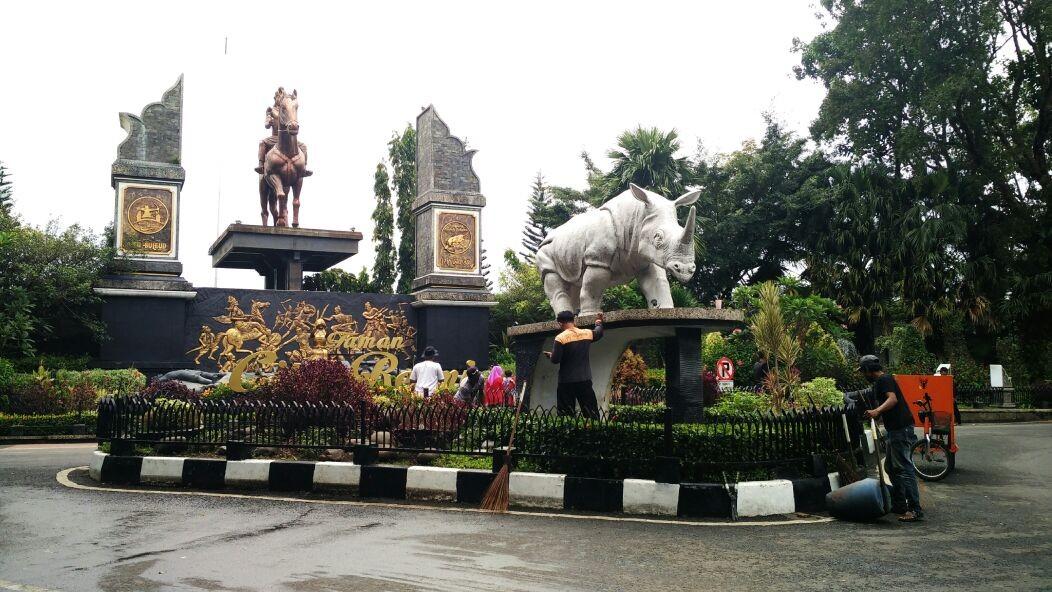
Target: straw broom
x,y
497,495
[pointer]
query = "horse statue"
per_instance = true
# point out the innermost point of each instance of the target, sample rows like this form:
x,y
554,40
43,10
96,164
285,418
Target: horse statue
x,y
285,164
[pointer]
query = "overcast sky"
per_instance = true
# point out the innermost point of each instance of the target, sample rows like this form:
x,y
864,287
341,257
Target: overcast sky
x,y
529,85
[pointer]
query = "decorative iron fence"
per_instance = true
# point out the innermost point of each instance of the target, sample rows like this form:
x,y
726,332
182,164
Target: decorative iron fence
x,y
638,395
545,441
1035,396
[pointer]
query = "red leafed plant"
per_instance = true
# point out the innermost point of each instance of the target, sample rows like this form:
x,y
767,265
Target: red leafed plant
x,y
316,381
710,388
169,389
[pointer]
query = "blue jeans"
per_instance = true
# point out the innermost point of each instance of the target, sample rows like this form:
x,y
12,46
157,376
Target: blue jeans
x,y
904,492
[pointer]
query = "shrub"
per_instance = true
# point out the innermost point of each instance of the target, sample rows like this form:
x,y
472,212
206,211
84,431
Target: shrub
x,y
52,362
105,382
655,377
822,392
906,351
653,413
630,371
223,392
820,356
48,420
713,347
34,394
7,377
167,415
740,402
169,389
315,381
710,387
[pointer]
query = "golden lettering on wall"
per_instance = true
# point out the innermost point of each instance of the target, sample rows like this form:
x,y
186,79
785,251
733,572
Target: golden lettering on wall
x,y
246,342
457,241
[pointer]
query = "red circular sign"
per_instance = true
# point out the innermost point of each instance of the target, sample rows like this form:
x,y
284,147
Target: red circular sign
x,y
725,369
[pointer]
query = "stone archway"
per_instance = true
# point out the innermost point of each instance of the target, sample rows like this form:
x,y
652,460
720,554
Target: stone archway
x,y
681,328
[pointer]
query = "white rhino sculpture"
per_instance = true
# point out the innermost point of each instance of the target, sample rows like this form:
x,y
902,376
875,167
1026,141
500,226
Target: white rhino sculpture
x,y
633,236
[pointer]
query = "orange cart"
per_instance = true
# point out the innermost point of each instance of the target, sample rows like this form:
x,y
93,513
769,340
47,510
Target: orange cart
x,y
931,401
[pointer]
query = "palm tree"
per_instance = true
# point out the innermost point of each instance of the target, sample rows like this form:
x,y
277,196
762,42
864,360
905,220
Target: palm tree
x,y
646,157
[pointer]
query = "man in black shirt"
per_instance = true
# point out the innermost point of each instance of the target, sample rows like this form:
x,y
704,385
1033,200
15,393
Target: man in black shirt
x,y
885,400
575,368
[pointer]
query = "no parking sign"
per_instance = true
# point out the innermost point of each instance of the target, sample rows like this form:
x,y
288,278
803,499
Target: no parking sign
x,y
725,374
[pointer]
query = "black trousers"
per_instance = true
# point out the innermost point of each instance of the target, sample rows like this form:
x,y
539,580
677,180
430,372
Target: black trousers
x,y
581,393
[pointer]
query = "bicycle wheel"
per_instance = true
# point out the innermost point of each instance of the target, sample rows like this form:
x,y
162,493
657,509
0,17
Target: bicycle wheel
x,y
933,462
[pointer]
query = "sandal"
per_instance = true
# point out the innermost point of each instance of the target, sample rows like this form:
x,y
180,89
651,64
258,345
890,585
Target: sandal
x,y
911,516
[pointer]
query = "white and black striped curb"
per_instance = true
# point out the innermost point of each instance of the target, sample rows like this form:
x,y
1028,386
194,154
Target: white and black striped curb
x,y
527,490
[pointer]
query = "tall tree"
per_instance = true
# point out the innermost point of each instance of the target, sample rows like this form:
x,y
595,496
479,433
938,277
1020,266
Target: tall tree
x,y
6,192
961,91
383,233
755,201
536,218
647,157
402,153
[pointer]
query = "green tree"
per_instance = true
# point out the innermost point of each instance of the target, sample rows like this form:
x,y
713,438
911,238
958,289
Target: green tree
x,y
536,224
46,278
960,94
383,231
402,153
6,192
755,199
338,280
647,157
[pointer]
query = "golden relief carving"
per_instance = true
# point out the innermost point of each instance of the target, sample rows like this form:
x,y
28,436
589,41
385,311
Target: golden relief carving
x,y
456,241
148,215
248,343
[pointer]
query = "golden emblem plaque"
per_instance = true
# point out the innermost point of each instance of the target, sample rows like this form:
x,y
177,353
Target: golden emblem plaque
x,y
146,220
148,215
457,241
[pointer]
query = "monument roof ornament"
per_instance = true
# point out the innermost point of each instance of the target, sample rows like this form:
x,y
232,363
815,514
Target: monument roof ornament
x,y
153,147
444,170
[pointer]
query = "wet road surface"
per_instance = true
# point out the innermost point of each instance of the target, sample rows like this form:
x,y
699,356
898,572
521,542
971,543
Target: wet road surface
x,y
987,528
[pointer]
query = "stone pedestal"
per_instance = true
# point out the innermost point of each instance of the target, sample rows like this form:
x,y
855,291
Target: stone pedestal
x,y
281,254
681,328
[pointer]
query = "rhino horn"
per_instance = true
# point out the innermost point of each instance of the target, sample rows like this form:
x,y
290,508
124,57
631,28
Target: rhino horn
x,y
688,198
639,193
688,231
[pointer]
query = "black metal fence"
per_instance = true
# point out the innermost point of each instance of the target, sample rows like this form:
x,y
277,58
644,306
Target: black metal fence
x,y
606,447
1036,396
638,395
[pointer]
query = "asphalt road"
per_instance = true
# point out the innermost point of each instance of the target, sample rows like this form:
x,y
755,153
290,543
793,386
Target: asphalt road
x,y
988,528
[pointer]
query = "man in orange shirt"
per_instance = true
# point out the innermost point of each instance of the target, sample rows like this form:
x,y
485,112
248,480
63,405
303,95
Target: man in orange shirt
x,y
575,368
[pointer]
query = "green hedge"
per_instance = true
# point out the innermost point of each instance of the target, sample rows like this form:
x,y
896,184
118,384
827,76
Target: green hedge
x,y
628,450
638,413
42,392
106,382
56,419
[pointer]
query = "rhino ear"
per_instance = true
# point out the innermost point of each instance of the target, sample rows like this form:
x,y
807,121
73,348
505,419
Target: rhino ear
x,y
688,230
688,198
638,193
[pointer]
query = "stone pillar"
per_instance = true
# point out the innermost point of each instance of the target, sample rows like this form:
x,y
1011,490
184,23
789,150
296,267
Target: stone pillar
x,y
683,382
452,300
145,296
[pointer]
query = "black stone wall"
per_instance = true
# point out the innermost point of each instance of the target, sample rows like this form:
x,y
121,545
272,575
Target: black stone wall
x,y
460,333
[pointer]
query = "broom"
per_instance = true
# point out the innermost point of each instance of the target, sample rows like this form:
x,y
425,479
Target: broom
x,y
498,493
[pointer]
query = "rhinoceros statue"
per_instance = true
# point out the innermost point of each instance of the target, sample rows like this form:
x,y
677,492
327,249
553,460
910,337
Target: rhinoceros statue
x,y
633,236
